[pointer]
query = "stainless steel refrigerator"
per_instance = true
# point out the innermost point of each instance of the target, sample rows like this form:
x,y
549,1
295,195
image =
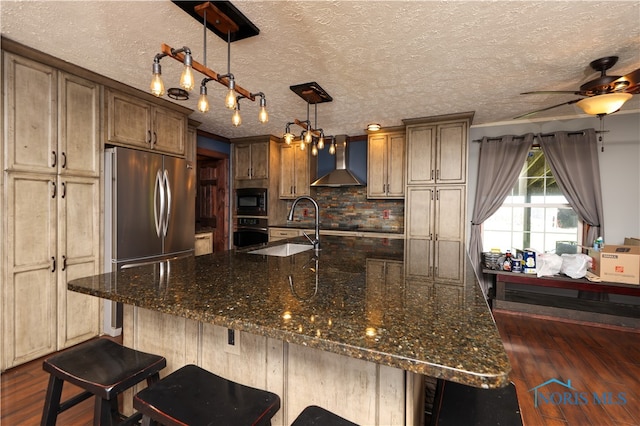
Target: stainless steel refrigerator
x,y
149,212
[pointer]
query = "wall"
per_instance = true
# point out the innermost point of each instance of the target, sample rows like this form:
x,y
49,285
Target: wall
x,y
619,165
348,207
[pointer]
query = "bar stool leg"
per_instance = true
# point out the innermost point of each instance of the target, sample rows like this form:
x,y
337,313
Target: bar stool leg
x,y
52,401
101,412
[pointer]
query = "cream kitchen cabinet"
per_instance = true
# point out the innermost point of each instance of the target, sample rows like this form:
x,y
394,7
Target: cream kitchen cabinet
x,y
137,123
437,152
51,206
251,160
277,234
53,225
52,120
435,227
294,172
204,243
385,165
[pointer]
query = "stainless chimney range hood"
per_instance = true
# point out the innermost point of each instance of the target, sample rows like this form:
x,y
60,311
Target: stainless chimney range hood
x,y
341,176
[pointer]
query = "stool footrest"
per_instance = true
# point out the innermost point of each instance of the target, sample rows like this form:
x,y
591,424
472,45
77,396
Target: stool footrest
x,y
75,400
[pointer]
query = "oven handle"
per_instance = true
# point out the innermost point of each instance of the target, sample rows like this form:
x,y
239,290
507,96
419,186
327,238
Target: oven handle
x,y
248,228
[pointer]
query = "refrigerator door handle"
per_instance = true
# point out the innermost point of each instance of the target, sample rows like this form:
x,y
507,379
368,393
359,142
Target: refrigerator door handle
x,y
158,213
167,185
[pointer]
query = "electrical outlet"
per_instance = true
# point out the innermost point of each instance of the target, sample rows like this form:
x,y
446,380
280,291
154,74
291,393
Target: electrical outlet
x,y
305,212
232,344
385,214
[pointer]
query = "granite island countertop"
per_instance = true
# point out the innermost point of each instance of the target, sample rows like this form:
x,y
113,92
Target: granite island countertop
x,y
352,298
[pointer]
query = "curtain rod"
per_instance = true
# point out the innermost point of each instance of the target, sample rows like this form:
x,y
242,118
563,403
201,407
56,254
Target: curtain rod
x,y
541,134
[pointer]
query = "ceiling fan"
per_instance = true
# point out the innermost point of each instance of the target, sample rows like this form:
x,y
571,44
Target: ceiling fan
x,y
603,95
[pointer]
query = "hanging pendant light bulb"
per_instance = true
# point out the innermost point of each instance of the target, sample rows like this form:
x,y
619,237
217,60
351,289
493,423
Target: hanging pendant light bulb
x,y
321,141
230,100
302,145
203,101
314,150
263,116
288,136
157,85
187,81
332,148
236,119
308,136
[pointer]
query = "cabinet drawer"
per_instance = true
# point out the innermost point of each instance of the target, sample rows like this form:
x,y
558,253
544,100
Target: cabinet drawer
x,y
204,244
283,233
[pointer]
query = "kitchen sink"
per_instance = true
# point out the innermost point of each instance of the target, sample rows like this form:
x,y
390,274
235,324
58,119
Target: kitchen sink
x,y
283,250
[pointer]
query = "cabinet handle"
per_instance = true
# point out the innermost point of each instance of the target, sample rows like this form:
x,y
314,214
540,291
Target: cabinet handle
x,y
64,189
431,174
431,191
53,264
249,172
149,134
54,157
438,174
431,236
438,195
64,262
155,138
64,160
53,194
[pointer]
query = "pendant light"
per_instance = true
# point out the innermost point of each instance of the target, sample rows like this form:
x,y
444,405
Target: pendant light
x,y
221,24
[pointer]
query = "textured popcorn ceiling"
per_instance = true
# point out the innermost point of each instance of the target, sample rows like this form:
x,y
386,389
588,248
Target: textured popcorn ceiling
x,y
381,61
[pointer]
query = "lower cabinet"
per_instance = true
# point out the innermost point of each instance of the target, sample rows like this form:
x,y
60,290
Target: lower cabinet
x,y
53,236
204,243
277,234
434,225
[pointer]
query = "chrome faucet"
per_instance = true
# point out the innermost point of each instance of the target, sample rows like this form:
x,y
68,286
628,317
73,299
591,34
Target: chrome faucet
x,y
316,240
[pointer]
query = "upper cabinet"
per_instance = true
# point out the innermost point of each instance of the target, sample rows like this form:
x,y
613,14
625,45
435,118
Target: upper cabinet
x,y
251,160
52,120
138,123
294,172
437,152
385,168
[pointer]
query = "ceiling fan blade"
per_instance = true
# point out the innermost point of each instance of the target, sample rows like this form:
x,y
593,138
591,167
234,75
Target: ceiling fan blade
x,y
545,109
633,78
548,92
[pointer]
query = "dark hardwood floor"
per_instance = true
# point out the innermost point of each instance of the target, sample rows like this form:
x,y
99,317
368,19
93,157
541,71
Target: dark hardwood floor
x,y
594,359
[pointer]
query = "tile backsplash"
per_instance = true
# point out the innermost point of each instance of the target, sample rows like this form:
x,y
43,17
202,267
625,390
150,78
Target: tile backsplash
x,y
346,207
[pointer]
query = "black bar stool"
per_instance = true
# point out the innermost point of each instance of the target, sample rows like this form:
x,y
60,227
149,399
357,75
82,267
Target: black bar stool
x,y
104,369
193,396
318,416
457,404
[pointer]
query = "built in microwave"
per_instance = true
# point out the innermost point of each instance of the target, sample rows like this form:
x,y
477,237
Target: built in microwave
x,y
251,201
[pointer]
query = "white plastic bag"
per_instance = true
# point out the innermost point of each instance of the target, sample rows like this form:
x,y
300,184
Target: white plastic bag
x,y
548,264
575,265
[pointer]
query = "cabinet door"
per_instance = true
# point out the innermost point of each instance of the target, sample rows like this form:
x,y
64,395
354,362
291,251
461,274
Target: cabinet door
x,y
377,166
450,212
78,256
301,179
287,167
30,96
29,287
420,160
78,126
418,253
242,161
452,153
128,120
169,131
449,260
395,166
419,212
260,160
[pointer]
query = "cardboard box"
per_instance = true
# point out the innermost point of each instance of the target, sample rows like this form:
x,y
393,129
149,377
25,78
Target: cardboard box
x,y
629,241
595,260
620,264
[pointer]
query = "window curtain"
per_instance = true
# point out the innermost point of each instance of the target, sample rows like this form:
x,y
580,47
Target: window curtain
x,y
500,164
573,158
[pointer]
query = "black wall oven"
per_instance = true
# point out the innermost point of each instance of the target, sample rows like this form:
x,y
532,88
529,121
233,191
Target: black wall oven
x,y
250,231
251,202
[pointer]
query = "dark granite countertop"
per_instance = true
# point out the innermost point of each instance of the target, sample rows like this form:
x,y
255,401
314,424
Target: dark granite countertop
x,y
338,227
352,299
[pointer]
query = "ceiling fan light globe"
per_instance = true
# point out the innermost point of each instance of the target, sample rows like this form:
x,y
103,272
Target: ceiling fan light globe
x,y
604,104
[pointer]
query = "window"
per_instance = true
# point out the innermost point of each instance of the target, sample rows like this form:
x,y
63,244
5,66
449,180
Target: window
x,y
535,215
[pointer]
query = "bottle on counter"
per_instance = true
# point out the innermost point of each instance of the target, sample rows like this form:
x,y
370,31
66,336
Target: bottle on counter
x,y
506,265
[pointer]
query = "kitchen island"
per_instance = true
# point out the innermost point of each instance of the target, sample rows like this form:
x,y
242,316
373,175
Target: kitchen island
x,y
346,328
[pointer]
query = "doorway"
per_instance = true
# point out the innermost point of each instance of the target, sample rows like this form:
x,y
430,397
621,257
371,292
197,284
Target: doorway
x,y
212,196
